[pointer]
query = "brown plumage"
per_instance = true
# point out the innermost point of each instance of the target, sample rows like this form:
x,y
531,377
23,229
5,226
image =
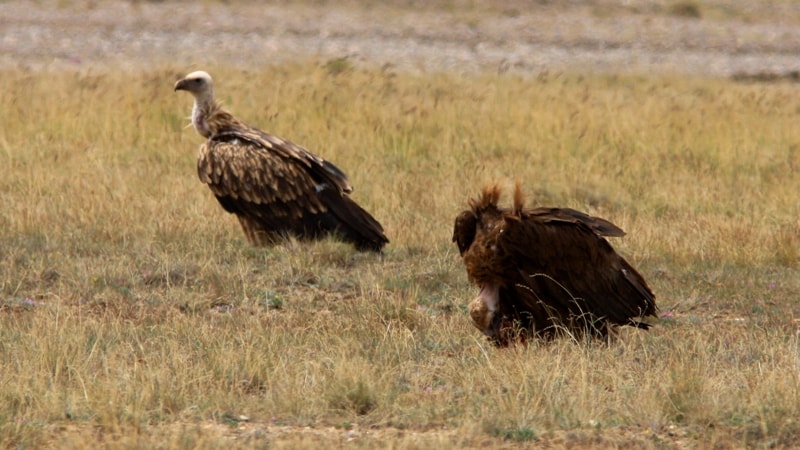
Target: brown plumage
x,y
274,187
544,272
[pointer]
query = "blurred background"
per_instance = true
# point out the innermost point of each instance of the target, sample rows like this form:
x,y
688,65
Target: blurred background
x,y
727,38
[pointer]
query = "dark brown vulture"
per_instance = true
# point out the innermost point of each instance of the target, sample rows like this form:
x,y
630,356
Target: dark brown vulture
x,y
274,187
544,272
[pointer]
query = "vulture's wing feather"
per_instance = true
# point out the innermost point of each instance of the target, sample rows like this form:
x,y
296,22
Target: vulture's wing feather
x,y
277,188
321,170
247,172
600,226
567,266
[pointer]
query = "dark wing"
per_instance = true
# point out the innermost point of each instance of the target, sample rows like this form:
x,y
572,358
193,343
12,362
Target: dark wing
x,y
278,188
600,226
565,266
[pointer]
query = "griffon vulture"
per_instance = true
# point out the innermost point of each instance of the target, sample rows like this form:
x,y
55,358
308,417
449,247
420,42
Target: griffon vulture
x,y
274,187
543,272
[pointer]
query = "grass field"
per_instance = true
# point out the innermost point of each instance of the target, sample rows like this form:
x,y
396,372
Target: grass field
x,y
133,314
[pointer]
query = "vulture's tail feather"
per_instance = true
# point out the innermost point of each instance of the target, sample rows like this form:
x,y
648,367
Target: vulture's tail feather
x,y
352,223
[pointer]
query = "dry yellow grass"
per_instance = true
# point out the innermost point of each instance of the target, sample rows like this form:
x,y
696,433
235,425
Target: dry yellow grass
x,y
133,313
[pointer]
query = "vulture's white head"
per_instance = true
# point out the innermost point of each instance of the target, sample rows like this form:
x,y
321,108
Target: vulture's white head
x,y
201,86
198,84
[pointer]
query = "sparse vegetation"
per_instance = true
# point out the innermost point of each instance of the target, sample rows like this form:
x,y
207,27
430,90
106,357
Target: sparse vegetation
x,y
339,65
516,434
686,9
134,314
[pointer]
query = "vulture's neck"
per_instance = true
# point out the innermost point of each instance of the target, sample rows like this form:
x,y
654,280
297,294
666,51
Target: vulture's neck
x,y
208,117
207,114
203,104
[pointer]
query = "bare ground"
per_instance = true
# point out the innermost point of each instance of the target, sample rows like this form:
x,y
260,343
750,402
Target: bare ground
x,y
711,38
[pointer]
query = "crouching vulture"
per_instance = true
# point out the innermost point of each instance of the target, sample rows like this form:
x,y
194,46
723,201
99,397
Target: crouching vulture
x,y
545,272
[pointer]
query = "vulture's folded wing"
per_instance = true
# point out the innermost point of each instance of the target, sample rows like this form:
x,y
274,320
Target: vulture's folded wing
x,y
249,178
567,265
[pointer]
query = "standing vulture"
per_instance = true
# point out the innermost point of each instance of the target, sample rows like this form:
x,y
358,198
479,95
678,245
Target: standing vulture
x,y
545,272
274,187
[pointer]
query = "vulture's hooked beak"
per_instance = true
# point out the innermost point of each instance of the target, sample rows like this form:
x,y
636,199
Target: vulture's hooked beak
x,y
180,85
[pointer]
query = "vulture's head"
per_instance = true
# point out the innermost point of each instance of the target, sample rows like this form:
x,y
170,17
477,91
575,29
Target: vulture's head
x,y
484,310
198,84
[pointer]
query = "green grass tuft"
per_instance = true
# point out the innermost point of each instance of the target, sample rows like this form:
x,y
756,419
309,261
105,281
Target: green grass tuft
x,y
521,434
